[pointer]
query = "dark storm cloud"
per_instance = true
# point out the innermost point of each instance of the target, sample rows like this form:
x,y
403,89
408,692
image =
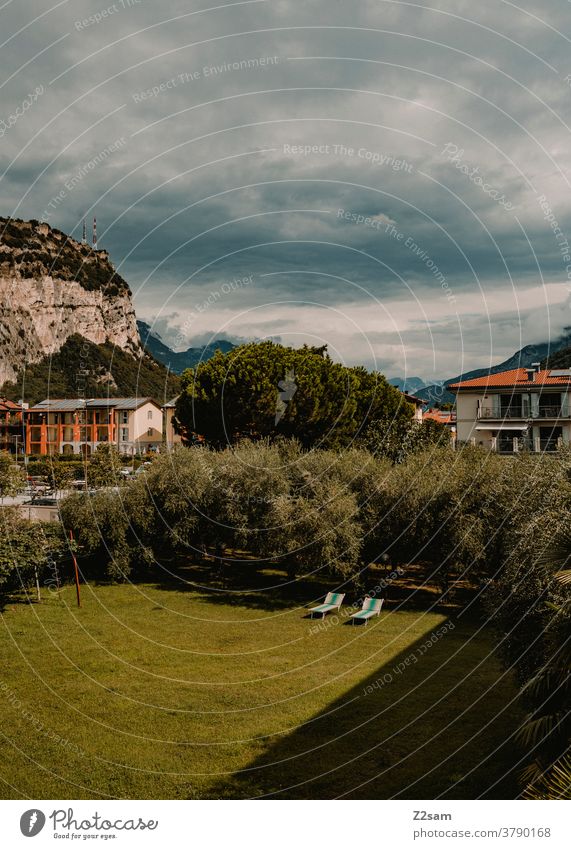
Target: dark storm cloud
x,y
377,168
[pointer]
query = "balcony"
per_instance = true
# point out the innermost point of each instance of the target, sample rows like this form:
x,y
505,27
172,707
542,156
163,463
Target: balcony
x,y
555,412
515,445
504,413
508,445
549,444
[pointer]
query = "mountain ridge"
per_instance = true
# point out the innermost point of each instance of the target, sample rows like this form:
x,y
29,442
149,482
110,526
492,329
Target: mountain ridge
x,y
178,361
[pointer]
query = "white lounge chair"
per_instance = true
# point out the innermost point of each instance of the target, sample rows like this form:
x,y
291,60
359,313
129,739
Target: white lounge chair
x,y
333,601
371,607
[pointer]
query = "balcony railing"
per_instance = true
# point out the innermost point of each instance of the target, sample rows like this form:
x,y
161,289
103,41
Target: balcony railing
x,y
549,444
552,412
504,413
514,445
555,412
505,447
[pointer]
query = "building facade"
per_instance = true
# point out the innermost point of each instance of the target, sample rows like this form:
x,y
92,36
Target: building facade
x,y
522,409
77,426
12,437
172,438
417,403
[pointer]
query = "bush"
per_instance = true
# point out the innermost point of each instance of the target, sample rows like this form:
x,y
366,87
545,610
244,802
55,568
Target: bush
x,y
27,550
99,527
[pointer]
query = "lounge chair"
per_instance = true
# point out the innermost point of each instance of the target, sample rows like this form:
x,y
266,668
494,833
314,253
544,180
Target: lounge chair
x,y
371,607
333,601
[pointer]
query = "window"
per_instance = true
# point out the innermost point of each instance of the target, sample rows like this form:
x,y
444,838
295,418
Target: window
x,y
150,432
150,414
514,406
124,434
550,405
124,417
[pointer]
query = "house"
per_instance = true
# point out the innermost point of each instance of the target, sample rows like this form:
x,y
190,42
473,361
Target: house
x,y
443,417
11,426
76,425
521,409
172,438
417,403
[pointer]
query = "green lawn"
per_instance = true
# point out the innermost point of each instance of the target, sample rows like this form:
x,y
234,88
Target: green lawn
x,y
164,693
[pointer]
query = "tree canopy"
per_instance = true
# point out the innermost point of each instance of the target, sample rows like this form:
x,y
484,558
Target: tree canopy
x,y
12,478
267,390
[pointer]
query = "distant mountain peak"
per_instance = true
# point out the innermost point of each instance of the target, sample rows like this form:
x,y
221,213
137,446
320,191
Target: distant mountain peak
x,y
178,361
407,384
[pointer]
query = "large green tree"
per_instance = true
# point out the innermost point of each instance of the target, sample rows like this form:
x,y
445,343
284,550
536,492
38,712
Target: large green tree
x,y
267,390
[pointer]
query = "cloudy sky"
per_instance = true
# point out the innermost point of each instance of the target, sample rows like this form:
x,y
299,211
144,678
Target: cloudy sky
x,y
391,178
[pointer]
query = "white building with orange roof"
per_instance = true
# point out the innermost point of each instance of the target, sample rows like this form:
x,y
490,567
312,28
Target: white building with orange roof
x,y
522,409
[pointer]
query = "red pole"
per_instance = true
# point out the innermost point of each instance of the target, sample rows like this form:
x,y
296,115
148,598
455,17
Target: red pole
x,y
76,573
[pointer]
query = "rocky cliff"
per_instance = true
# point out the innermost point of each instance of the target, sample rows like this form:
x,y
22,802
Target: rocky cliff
x,y
53,287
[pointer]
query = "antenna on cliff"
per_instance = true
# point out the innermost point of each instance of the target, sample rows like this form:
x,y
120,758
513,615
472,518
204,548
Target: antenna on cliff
x,y
84,237
94,233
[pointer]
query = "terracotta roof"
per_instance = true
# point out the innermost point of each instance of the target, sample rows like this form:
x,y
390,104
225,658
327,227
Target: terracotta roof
x,y
442,416
6,404
515,377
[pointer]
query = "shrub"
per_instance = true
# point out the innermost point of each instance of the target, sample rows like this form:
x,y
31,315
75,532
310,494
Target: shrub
x,y
27,547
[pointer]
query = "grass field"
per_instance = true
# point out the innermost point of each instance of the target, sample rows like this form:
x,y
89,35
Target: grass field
x,y
151,692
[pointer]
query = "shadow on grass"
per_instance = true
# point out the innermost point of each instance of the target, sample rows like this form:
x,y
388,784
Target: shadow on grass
x,y
246,584
434,722
266,586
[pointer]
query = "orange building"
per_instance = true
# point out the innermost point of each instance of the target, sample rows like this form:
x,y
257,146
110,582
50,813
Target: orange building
x,y
74,426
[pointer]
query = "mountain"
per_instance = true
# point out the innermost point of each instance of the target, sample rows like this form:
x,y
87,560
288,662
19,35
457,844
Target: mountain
x,y
67,322
437,393
559,359
409,384
179,361
53,287
105,370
